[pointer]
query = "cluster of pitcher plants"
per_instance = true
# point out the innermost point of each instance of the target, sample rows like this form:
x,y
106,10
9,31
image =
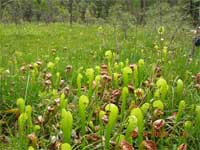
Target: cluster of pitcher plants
x,y
111,106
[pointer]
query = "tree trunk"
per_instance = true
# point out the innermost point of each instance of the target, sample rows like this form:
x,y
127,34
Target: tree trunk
x,y
142,12
70,8
99,9
83,15
1,11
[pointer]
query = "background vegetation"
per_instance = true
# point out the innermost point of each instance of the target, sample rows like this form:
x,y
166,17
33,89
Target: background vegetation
x,y
53,47
91,11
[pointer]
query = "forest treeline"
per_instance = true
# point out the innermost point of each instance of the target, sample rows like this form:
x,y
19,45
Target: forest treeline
x,y
92,11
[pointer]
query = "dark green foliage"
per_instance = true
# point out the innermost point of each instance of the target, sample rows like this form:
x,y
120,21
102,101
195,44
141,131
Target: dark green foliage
x,y
84,10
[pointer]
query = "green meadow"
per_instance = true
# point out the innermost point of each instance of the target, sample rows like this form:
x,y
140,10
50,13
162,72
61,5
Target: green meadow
x,y
90,87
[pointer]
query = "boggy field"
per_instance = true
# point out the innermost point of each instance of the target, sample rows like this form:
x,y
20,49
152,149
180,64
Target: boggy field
x,y
88,87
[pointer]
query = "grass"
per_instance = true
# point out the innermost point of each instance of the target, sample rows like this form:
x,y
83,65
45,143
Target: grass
x,y
85,46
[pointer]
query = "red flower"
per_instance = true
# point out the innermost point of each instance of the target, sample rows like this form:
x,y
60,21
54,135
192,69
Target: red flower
x,y
125,146
182,147
158,124
148,145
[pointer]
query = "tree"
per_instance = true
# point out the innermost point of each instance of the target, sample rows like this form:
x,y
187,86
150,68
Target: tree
x,y
27,9
195,11
70,10
82,9
142,11
16,11
39,7
3,4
